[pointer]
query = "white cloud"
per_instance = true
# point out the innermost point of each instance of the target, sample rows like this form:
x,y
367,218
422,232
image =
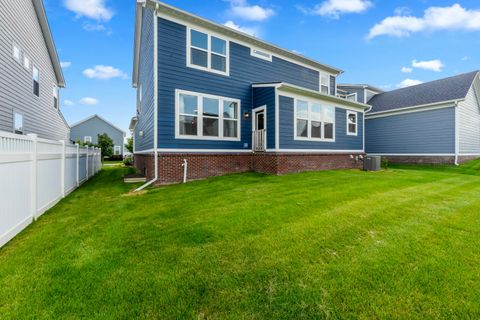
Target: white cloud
x,y
68,103
65,64
104,73
241,9
93,27
466,58
435,18
432,65
407,70
93,9
248,30
89,101
335,8
408,83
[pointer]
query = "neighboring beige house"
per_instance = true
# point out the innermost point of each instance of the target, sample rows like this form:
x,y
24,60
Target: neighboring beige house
x,y
30,72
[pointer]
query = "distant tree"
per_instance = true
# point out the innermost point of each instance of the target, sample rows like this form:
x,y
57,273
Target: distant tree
x,y
106,143
129,145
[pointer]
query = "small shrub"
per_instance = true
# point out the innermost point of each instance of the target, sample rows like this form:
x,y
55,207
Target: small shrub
x,y
128,161
384,163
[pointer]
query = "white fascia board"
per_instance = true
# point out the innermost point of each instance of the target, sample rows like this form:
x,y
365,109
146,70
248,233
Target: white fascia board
x,y
420,108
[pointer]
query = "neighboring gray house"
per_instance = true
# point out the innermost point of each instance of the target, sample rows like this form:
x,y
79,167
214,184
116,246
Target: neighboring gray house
x,y
435,122
30,72
88,130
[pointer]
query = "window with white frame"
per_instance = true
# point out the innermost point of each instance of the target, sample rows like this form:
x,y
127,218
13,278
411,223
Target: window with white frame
x,y
324,83
352,123
87,139
207,52
117,150
140,97
16,52
314,121
201,116
26,62
55,96
260,54
18,123
36,81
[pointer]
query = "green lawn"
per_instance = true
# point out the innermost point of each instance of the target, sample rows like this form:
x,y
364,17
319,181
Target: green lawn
x,y
402,243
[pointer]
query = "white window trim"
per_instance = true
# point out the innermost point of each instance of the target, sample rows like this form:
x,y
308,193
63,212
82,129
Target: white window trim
x,y
56,94
19,59
39,75
199,135
254,53
140,99
320,81
348,123
29,62
209,52
85,138
309,138
23,122
115,148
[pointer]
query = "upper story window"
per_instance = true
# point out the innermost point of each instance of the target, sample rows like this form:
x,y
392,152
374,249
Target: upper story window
x,y
18,123
140,97
16,52
324,83
314,121
117,150
87,139
207,52
55,96
260,54
200,116
36,81
26,62
352,123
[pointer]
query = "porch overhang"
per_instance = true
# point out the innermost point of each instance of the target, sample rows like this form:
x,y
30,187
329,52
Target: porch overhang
x,y
290,88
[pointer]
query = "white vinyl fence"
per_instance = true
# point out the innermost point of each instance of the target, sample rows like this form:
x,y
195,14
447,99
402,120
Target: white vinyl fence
x,y
35,174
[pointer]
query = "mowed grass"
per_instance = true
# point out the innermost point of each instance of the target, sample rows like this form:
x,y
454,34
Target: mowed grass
x,y
398,244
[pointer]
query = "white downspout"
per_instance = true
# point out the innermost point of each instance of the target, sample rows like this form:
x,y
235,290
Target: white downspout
x,y
155,100
185,170
457,135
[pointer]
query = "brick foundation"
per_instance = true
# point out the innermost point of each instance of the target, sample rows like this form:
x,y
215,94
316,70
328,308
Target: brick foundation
x,y
429,160
201,166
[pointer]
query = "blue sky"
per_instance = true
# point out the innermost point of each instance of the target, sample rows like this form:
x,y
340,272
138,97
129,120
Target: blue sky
x,y
385,43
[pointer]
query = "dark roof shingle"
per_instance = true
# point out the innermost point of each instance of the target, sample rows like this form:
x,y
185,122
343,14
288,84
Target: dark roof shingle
x,y
427,93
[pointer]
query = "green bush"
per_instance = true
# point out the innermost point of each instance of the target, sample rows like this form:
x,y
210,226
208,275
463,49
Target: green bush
x,y
128,161
384,163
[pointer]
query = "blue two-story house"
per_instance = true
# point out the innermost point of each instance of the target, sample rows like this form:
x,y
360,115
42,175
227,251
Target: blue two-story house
x,y
212,100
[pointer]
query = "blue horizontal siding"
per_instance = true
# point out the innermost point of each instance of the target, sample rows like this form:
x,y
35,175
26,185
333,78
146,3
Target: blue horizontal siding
x,y
266,96
342,140
413,133
244,70
145,79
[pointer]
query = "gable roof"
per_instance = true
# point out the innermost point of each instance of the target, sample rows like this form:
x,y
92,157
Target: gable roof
x,y
100,118
443,90
362,86
179,14
47,35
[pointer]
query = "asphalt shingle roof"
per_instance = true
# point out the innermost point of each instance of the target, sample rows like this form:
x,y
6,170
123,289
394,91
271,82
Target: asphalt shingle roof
x,y
431,92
